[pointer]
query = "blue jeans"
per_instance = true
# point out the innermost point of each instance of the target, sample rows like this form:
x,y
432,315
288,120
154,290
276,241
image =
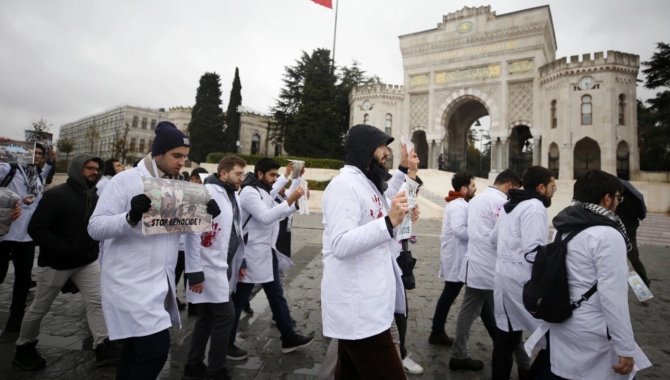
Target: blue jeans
x,y
275,294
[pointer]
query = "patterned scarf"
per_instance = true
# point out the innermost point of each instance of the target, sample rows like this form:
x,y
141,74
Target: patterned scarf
x,y
599,210
33,185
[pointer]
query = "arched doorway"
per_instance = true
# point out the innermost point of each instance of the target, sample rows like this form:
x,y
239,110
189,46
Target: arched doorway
x,y
460,118
554,156
255,143
622,161
520,149
586,156
421,147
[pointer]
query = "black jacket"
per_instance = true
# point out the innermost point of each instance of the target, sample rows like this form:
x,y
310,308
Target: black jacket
x,y
59,224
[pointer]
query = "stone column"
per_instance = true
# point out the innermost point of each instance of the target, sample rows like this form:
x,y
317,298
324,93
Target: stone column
x,y
537,150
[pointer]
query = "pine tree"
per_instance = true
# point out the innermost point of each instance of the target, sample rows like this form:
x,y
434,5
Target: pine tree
x,y
232,117
312,113
654,121
315,132
206,126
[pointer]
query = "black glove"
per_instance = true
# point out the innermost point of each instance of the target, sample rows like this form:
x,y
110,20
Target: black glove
x,y
213,208
138,206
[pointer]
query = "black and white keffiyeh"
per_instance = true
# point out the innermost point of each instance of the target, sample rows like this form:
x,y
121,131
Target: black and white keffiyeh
x,y
599,210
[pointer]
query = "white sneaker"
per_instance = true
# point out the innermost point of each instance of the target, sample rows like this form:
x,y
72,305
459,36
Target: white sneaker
x,y
411,366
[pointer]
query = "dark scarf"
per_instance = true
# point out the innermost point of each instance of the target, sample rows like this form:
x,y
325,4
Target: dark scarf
x,y
519,195
378,175
251,180
580,214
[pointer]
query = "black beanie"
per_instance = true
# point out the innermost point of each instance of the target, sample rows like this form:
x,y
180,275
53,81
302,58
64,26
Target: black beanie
x,y
168,137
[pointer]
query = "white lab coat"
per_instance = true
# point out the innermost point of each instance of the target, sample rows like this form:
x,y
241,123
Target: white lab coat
x,y
478,268
579,346
260,231
517,233
208,252
137,282
358,288
453,239
18,231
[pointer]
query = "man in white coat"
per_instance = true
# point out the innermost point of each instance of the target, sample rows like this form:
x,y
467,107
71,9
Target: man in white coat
x,y
521,227
358,289
260,227
453,244
478,267
212,260
27,181
138,286
597,341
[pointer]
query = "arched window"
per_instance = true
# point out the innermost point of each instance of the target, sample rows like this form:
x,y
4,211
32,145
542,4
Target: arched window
x,y
622,107
366,118
554,120
255,143
388,124
587,110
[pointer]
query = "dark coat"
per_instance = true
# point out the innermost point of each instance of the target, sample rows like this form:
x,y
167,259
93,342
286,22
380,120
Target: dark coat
x,y
59,224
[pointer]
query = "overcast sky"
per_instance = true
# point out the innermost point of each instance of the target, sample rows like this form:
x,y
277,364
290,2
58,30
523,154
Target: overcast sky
x,y
64,60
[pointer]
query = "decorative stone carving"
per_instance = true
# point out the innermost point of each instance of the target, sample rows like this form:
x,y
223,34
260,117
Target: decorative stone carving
x,y
521,101
418,110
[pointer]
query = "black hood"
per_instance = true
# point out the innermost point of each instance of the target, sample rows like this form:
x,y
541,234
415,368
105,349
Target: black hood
x,y
516,196
251,180
360,144
74,171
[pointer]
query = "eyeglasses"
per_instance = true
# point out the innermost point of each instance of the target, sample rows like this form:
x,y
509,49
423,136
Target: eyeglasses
x,y
92,168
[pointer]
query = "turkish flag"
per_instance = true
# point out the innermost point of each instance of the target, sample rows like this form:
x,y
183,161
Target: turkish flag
x,y
325,3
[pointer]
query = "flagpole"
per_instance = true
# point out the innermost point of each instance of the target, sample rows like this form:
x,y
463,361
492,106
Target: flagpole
x,y
337,6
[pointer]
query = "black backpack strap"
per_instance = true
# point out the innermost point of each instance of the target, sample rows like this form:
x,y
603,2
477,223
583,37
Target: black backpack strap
x,y
585,296
10,175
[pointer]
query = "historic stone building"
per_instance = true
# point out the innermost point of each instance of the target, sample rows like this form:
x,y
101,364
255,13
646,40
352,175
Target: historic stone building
x,y
97,133
568,115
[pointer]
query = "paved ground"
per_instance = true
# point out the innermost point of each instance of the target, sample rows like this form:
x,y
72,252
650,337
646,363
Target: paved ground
x,y
65,341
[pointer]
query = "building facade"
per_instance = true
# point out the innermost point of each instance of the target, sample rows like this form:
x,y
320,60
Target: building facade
x,y
101,133
566,115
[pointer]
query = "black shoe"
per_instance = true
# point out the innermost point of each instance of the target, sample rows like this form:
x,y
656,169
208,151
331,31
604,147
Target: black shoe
x,y
441,339
180,305
196,372
295,342
469,364
28,358
236,353
14,323
107,353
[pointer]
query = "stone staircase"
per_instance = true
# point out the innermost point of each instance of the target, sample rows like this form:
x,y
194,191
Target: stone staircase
x,y
654,230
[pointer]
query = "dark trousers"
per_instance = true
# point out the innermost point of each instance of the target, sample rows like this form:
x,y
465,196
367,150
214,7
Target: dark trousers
x,y
213,324
504,344
275,294
449,294
371,358
179,268
541,368
401,324
143,357
23,255
635,262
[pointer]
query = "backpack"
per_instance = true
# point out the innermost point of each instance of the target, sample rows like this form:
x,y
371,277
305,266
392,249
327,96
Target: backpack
x,y
546,295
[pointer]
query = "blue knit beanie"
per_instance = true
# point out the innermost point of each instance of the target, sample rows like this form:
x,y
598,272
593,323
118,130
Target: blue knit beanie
x,y
168,137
